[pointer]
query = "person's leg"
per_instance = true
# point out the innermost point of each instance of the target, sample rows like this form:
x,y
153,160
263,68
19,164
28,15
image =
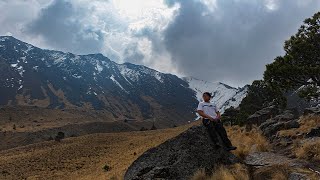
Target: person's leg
x,y
211,130
222,133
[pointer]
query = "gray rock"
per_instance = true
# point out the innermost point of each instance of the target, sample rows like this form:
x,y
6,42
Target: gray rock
x,y
313,110
180,157
262,159
285,116
262,115
266,124
283,121
292,124
297,176
313,133
271,128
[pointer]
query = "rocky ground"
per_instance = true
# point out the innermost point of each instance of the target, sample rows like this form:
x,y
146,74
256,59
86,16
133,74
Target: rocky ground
x,y
284,146
294,142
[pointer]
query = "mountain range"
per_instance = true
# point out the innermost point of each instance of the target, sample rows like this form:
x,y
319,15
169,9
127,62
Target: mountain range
x,y
30,76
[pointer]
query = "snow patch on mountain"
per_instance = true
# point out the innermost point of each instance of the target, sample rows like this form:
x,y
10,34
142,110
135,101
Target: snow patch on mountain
x,y
14,65
58,57
157,75
99,67
29,48
117,83
224,96
236,99
4,38
76,76
128,73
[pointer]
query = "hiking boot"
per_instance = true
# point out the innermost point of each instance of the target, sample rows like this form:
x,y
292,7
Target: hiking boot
x,y
231,148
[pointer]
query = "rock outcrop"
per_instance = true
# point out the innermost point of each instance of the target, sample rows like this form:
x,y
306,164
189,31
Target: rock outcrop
x,y
180,157
261,116
286,120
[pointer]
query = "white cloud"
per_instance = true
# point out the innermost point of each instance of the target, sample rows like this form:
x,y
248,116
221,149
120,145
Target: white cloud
x,y
271,4
138,31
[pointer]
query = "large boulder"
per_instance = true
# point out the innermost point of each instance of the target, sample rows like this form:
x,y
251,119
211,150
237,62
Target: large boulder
x,y
285,116
180,157
272,128
283,121
261,116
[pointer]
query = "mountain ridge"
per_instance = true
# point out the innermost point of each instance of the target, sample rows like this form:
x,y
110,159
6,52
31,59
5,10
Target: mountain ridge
x,y
54,79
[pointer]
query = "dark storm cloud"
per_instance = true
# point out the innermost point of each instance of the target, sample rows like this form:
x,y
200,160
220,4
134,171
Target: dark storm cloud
x,y
132,54
233,42
61,27
155,36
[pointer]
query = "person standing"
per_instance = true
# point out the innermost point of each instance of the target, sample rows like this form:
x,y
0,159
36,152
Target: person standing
x,y
211,120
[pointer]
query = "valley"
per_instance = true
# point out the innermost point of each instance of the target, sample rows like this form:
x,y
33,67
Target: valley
x,y
81,157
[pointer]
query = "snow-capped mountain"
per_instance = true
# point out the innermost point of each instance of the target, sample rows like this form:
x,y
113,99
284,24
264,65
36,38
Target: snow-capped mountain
x,y
224,96
32,76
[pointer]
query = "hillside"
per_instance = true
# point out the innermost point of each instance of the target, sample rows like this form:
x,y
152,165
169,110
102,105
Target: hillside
x,y
81,157
30,76
108,155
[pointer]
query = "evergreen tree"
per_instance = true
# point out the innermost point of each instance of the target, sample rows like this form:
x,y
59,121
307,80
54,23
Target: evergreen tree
x,y
300,66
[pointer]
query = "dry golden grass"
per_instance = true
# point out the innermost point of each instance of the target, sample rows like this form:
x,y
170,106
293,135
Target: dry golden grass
x,y
82,157
252,141
200,175
309,150
232,172
276,172
306,124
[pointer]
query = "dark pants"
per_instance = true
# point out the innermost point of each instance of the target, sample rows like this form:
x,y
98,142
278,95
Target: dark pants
x,y
215,129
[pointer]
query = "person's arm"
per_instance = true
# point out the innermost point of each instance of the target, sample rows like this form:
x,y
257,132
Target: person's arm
x,y
218,115
202,114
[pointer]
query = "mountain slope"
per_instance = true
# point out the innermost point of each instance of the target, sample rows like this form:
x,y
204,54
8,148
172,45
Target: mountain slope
x,y
36,77
223,95
31,76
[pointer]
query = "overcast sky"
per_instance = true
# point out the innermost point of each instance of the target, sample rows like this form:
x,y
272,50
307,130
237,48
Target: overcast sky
x,y
216,40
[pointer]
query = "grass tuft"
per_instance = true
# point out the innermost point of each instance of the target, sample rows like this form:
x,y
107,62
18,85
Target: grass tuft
x,y
232,172
247,142
309,150
306,124
278,172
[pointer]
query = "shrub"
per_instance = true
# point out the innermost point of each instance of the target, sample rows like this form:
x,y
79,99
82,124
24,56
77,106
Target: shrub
x,y
309,150
106,168
143,129
59,136
252,141
279,172
153,127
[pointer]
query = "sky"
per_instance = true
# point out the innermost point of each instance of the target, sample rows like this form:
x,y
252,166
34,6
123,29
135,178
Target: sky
x,y
228,41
